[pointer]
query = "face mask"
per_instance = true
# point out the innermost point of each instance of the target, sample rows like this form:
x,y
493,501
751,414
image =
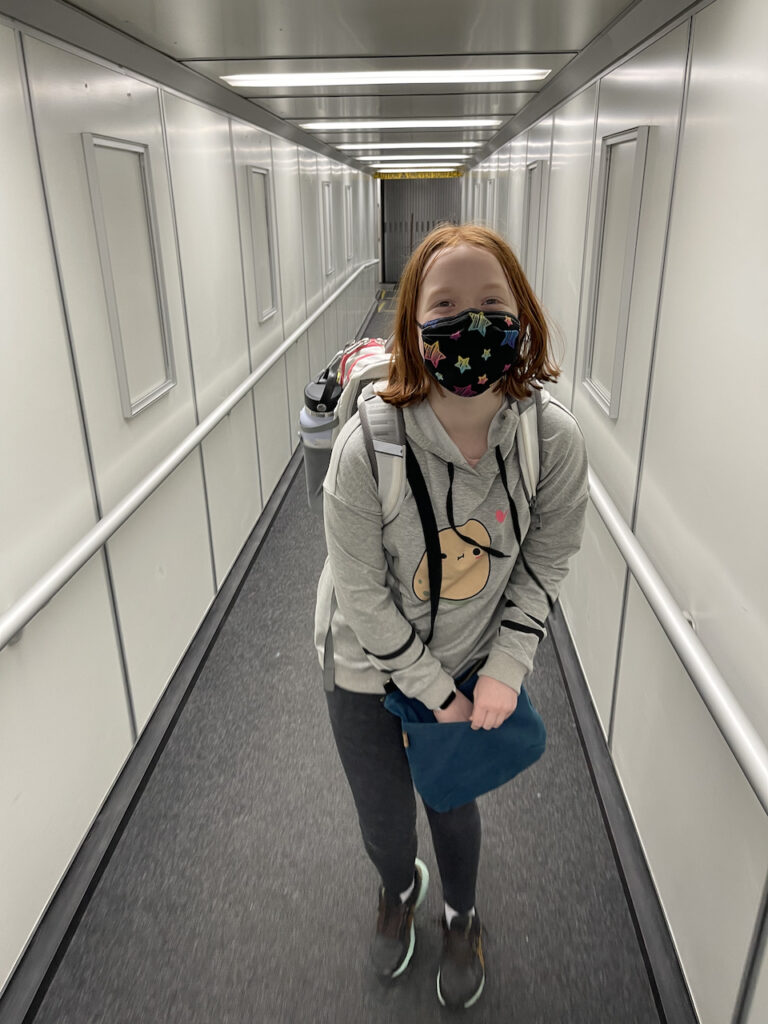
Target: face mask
x,y
469,352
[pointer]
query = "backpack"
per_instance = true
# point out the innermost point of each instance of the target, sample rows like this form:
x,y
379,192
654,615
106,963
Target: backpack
x,y
361,369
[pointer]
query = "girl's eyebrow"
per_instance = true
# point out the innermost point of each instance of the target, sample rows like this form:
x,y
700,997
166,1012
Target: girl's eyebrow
x,y
447,289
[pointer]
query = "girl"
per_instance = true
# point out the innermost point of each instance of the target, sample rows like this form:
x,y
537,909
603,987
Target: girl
x,y
469,339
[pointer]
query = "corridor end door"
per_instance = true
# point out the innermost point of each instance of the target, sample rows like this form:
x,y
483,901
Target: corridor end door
x,y
411,208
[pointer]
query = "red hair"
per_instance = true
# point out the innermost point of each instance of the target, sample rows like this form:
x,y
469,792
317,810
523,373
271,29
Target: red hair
x,y
409,381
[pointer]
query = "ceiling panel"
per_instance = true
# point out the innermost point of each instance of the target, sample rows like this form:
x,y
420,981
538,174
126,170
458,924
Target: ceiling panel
x,y
456,104
229,29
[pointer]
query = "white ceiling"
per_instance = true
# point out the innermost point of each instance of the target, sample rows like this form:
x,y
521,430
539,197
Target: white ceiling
x,y
215,37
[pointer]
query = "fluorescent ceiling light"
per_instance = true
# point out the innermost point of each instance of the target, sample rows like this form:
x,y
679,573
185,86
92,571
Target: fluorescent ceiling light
x,y
409,145
283,80
340,126
415,167
454,157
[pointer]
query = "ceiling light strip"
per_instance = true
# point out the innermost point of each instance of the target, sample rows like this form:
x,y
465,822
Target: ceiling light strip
x,y
409,145
454,157
415,167
282,80
333,126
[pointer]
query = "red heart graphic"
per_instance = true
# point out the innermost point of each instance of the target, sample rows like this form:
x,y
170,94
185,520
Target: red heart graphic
x,y
500,516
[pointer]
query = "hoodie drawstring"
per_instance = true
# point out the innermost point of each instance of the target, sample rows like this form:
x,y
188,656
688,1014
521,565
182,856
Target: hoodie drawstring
x,y
449,512
516,526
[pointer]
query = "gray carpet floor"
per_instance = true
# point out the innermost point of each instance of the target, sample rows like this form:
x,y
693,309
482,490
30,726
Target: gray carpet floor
x,y
240,890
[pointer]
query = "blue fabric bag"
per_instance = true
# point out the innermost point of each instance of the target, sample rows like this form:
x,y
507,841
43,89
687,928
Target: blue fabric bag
x,y
452,763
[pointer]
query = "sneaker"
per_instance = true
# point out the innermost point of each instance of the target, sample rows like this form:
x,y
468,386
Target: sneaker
x,y
395,938
461,975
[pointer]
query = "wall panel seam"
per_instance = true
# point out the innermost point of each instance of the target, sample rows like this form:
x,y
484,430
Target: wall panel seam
x,y
249,353
185,317
112,596
651,369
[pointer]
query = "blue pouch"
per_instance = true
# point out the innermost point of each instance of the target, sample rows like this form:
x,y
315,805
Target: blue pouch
x,y
452,763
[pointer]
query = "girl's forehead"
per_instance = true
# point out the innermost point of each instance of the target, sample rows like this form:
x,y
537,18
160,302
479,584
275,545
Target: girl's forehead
x,y
459,259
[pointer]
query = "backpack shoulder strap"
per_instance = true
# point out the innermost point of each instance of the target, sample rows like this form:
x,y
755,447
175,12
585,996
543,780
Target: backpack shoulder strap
x,y
384,432
528,441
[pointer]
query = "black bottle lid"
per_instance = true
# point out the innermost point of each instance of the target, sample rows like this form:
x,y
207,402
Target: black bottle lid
x,y
321,395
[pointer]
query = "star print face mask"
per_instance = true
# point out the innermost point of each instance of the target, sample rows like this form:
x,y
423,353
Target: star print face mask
x,y
467,353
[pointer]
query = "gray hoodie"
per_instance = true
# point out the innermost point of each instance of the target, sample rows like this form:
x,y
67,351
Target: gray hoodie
x,y
489,605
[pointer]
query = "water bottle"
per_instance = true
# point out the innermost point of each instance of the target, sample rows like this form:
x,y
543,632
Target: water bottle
x,y
317,421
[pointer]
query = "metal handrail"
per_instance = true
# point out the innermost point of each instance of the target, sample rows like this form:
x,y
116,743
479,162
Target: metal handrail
x,y
738,732
24,610
745,744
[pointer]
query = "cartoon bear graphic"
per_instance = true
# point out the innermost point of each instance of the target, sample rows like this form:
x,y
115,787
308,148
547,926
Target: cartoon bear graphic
x,y
466,567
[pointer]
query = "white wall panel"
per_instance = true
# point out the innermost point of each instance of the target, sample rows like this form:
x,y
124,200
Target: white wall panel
x,y
297,370
316,345
647,90
517,151
337,207
490,188
285,160
364,216
311,229
205,202
334,337
47,495
704,493
163,587
569,178
233,483
273,426
72,95
64,736
538,156
704,833
325,178
591,600
62,693
502,191
251,148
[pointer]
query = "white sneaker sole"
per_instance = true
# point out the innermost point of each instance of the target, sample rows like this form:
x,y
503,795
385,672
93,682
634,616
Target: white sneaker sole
x,y
422,893
469,1002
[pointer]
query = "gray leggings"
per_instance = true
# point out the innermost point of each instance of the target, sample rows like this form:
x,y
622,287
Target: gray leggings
x,y
371,749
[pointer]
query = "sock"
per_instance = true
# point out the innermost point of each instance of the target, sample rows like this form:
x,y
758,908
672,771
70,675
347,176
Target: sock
x,y
404,895
450,913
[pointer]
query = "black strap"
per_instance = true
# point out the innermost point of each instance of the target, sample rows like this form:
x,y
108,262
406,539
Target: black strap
x,y
516,527
449,512
431,537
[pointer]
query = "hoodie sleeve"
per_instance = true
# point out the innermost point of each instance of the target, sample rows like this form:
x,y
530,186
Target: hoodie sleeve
x,y
561,502
353,533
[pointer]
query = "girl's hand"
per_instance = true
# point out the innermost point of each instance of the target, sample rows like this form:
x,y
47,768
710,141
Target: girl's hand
x,y
494,702
459,710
